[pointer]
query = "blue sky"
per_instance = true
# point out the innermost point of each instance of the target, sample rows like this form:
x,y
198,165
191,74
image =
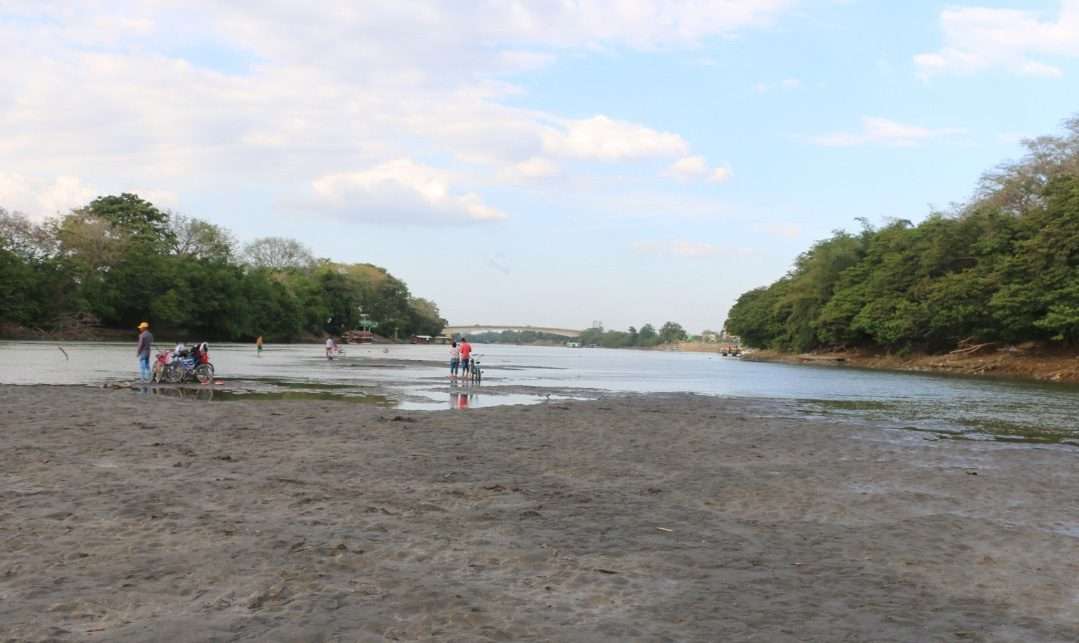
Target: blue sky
x,y
530,162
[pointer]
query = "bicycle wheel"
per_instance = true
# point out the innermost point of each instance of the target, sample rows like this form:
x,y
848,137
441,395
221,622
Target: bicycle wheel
x,y
203,373
174,373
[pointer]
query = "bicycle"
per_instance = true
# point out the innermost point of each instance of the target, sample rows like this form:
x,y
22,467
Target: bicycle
x,y
474,370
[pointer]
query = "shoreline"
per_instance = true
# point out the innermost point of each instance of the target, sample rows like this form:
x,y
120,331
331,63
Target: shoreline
x,y
642,517
1020,363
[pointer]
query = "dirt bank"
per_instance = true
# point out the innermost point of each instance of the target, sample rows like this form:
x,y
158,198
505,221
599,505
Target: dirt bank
x,y
1027,361
82,334
128,517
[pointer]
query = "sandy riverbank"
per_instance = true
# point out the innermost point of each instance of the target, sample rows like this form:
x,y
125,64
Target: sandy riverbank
x,y
1024,362
126,517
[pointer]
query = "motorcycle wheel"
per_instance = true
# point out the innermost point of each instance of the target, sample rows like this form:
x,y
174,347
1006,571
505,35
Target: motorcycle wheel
x,y
174,373
203,373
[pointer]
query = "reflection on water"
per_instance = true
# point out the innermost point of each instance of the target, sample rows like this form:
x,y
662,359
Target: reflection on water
x,y
416,377
461,400
204,393
222,394
360,398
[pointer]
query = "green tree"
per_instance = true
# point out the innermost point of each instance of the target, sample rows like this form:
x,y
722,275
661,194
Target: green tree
x,y
198,239
276,253
1004,267
136,218
672,332
647,336
124,260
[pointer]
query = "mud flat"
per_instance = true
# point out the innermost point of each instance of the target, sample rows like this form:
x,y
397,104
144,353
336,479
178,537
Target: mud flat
x,y
1028,362
127,517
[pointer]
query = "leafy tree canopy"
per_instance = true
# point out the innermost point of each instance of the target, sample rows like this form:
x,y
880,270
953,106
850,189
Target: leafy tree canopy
x,y
1004,267
123,260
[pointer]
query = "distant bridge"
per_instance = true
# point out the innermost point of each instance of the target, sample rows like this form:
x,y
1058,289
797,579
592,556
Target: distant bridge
x,y
479,328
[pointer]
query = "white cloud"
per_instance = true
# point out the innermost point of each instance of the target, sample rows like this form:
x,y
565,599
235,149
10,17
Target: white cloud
x,y
517,61
696,167
40,198
980,38
532,169
400,191
883,131
285,94
690,166
720,175
606,139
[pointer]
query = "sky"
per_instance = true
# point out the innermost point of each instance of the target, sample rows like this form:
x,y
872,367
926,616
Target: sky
x,y
549,163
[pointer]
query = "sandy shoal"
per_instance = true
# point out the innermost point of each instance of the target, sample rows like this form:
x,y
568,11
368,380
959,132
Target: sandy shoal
x,y
126,517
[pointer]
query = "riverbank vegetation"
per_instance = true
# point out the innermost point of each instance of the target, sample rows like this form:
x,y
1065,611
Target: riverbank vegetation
x,y
531,337
120,260
1002,268
646,337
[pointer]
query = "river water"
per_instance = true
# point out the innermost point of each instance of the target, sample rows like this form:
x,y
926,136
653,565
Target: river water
x,y
415,377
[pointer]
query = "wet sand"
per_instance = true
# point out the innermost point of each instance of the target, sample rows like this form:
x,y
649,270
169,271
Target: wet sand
x,y
1024,362
126,517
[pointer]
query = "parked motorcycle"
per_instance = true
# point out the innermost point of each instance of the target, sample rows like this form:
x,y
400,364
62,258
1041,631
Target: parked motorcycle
x,y
177,367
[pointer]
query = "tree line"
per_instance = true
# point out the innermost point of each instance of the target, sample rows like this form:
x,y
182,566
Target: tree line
x,y
1002,268
645,337
516,337
120,260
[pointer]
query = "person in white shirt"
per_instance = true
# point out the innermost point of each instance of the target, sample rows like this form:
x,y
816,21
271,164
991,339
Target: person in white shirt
x,y
455,359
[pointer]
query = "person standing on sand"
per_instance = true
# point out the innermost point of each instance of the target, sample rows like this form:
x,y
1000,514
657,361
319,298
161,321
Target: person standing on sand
x,y
466,353
258,344
142,351
455,359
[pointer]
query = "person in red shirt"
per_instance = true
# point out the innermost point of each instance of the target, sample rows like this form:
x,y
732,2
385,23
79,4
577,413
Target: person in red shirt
x,y
466,353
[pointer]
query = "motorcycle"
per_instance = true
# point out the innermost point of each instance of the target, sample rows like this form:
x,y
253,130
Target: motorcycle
x,y
177,368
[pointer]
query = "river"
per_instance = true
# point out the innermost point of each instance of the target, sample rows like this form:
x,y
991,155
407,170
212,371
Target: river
x,y
415,377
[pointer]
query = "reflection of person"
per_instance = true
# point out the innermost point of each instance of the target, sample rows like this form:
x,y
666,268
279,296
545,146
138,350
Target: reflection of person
x,y
142,350
459,400
455,359
258,344
466,352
